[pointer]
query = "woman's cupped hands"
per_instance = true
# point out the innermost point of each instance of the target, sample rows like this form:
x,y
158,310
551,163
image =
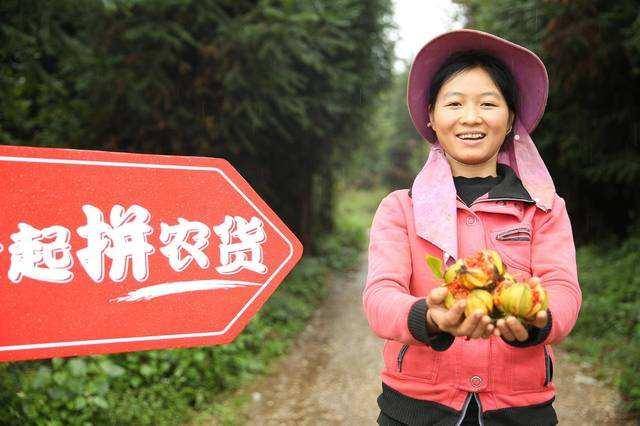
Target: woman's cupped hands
x,y
478,325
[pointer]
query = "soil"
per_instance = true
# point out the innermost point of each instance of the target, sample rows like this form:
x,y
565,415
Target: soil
x,y
331,375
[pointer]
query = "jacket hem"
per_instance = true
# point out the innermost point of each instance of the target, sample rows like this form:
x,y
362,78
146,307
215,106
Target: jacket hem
x,y
411,411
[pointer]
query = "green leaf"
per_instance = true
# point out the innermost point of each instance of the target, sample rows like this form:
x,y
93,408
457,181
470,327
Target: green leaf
x,y
100,402
435,265
77,367
146,370
80,402
112,370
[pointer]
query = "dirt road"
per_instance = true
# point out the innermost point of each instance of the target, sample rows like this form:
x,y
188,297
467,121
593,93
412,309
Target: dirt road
x,y
331,375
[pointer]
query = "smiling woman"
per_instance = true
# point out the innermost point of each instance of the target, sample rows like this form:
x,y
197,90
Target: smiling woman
x,y
475,97
471,108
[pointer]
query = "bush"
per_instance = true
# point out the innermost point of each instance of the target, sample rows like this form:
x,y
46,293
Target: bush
x,y
608,330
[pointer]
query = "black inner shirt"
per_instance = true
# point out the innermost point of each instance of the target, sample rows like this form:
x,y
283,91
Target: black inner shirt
x,y
469,189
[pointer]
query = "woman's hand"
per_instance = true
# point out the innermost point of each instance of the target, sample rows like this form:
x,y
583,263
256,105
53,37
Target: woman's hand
x,y
452,320
512,329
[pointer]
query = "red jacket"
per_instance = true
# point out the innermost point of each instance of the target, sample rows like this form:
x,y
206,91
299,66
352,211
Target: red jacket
x,y
531,241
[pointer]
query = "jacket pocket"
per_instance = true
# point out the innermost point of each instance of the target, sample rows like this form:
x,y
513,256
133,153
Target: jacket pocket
x,y
548,365
528,368
419,362
521,233
514,245
403,350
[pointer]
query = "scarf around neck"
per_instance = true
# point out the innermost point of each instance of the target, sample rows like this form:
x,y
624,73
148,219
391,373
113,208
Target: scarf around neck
x,y
434,193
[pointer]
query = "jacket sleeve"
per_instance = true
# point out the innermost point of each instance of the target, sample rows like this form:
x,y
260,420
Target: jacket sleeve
x,y
553,259
392,311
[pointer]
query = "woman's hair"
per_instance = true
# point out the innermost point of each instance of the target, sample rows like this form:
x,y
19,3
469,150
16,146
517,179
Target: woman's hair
x,y
461,61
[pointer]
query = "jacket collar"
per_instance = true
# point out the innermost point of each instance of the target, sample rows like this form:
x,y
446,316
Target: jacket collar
x,y
434,196
500,197
510,187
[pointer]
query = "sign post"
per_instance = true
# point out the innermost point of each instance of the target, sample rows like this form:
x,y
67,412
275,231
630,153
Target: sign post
x,y
106,252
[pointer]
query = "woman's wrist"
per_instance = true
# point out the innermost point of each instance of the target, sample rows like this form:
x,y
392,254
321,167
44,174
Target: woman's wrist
x,y
432,327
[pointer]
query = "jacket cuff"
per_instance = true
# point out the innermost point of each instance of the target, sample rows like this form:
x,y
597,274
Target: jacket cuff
x,y
417,322
536,335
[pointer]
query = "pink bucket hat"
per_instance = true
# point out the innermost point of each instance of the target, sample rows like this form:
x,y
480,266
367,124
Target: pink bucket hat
x,y
527,69
434,193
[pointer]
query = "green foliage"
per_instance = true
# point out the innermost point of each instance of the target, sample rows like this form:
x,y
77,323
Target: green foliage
x,y
590,133
394,152
436,266
608,330
405,149
354,211
45,63
356,207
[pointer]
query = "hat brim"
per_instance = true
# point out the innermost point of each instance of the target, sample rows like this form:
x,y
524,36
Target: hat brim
x,y
527,69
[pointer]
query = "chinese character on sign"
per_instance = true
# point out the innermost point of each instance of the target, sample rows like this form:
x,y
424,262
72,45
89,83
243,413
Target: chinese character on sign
x,y
33,257
45,254
241,245
176,239
123,241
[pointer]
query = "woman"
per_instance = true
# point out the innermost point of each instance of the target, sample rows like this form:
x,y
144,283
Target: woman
x,y
475,97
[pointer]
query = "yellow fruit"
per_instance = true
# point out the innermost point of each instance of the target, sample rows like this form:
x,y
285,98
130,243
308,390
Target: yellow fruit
x,y
496,260
479,300
508,278
475,278
521,299
453,271
449,300
539,296
482,279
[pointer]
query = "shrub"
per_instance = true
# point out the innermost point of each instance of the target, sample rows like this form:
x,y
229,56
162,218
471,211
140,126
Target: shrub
x,y
608,330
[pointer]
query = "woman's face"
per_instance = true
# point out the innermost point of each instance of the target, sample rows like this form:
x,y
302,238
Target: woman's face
x,y
471,118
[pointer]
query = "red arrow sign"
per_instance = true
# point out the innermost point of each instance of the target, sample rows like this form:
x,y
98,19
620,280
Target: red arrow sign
x,y
109,252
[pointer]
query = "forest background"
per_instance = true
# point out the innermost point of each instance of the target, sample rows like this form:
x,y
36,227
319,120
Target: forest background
x,y
302,98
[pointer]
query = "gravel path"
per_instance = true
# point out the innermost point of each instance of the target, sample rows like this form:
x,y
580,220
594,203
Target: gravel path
x,y
331,375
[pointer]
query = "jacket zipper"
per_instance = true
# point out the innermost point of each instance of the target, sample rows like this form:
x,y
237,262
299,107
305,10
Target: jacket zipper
x,y
544,208
515,234
464,410
548,364
486,200
403,351
514,231
475,395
